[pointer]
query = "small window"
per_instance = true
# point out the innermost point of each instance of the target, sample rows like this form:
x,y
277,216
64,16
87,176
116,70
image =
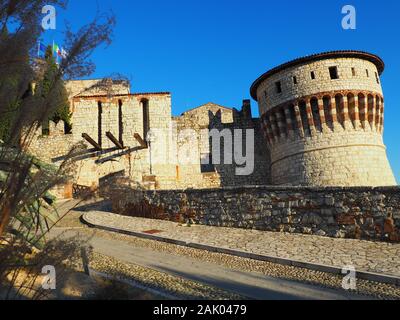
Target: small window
x,y
367,73
265,94
278,86
312,75
295,80
353,72
333,71
377,78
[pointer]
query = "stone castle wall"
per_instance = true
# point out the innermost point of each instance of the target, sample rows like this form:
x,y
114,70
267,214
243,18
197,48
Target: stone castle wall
x,y
213,117
268,97
336,159
316,129
322,130
159,164
356,212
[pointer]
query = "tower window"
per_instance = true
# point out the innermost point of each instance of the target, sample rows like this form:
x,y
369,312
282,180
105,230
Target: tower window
x,y
377,78
278,87
295,80
367,73
353,72
312,75
333,71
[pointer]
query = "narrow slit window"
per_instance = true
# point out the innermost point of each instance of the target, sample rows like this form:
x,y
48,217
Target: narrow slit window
x,y
120,123
333,71
295,80
312,75
367,73
99,123
278,87
353,72
146,118
377,78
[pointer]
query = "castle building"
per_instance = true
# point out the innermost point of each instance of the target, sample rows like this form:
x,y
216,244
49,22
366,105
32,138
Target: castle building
x,y
321,124
114,125
323,118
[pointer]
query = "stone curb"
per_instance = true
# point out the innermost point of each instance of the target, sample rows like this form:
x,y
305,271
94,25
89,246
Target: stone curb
x,y
370,276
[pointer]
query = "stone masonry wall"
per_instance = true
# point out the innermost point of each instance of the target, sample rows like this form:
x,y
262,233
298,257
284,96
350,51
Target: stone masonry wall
x,y
268,98
209,117
323,129
157,166
356,212
332,159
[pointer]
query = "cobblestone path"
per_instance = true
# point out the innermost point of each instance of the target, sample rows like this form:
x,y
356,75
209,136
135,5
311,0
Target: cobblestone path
x,y
364,255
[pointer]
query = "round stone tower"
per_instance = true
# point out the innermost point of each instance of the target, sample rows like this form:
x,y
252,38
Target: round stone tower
x,y
323,120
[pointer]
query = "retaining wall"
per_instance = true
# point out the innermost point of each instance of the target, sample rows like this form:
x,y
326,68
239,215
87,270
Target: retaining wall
x,y
351,212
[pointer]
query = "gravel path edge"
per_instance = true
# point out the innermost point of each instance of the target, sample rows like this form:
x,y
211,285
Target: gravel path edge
x,y
376,277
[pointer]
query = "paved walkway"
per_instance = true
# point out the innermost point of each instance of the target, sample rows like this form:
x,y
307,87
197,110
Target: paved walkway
x,y
247,284
377,257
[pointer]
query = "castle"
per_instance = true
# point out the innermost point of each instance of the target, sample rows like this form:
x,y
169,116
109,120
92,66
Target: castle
x,y
321,124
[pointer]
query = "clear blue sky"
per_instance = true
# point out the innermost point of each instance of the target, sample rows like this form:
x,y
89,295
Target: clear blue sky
x,y
212,50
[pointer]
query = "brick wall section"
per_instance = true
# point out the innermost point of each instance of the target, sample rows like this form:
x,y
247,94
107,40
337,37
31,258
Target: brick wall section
x,y
356,212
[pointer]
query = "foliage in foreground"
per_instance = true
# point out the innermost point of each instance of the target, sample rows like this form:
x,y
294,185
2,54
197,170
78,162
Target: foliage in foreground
x,y
26,214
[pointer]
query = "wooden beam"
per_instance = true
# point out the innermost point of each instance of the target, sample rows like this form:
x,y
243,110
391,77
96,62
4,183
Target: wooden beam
x,y
91,141
139,139
114,140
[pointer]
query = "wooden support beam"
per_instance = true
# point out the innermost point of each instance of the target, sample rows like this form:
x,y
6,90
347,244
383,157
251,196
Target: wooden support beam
x,y
91,141
139,139
114,140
